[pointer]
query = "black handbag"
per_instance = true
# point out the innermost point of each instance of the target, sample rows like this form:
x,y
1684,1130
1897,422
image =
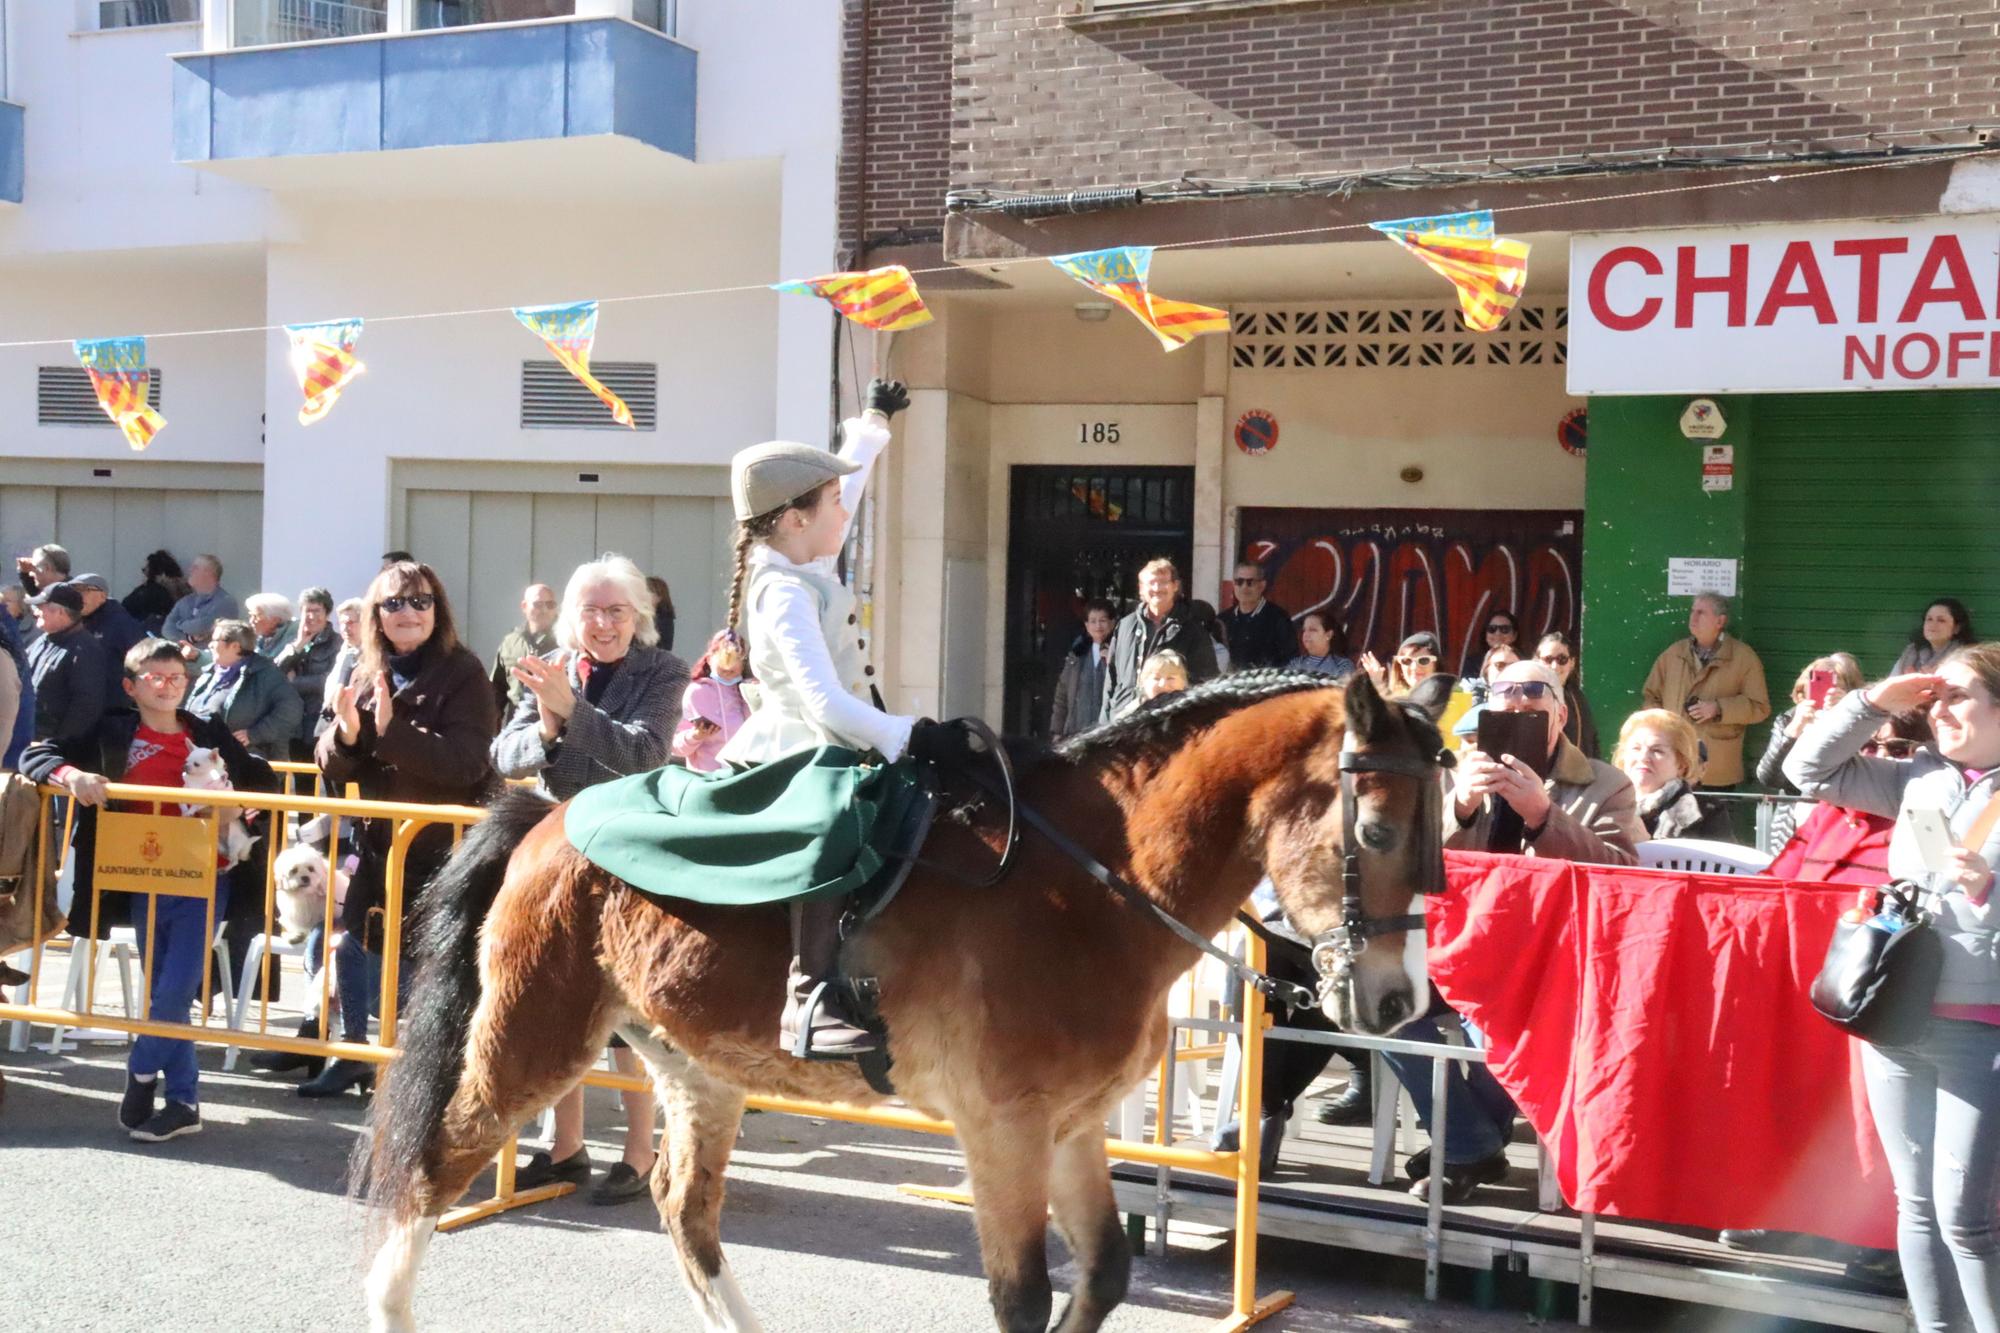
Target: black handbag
x,y
1880,977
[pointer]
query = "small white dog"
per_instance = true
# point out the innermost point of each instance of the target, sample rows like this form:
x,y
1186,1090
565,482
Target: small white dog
x,y
205,771
301,875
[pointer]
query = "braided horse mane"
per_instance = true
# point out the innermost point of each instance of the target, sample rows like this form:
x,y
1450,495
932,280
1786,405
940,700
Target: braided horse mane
x,y
1164,726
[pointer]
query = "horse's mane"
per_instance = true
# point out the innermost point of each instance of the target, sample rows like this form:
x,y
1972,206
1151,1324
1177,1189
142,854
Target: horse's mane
x,y
1164,726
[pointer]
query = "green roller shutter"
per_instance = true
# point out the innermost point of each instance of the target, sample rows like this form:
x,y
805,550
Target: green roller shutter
x,y
1862,507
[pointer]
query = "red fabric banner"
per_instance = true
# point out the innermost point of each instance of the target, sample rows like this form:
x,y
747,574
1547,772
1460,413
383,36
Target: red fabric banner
x,y
1654,1028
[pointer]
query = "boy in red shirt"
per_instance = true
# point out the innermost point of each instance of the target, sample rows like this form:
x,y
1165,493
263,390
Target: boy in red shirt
x,y
148,745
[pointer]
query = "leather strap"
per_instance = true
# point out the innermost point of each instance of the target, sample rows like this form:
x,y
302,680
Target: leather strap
x,y
1982,827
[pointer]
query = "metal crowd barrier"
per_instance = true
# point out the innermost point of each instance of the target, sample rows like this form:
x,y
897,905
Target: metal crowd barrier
x,y
1239,1167
1767,803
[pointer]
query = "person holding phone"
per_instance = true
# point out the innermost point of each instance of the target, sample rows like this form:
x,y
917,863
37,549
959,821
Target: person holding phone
x,y
1936,1103
1824,682
1523,788
1718,682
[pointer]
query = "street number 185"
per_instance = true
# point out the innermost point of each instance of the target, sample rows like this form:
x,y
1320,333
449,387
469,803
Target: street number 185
x,y
1097,432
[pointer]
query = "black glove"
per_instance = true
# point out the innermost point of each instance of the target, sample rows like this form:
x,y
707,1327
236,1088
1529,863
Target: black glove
x,y
887,397
939,742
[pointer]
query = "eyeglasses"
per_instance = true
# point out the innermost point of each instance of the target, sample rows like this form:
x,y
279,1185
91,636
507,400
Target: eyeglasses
x,y
610,615
1423,659
1896,748
421,601
1531,690
161,679
1500,627
1554,659
543,603
1241,582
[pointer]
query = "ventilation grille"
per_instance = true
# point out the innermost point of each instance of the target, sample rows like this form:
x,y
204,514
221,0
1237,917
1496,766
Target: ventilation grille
x,y
552,399
1392,334
63,397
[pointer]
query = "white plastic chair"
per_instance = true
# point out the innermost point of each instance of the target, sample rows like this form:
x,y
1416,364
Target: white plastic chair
x,y
124,943
253,964
1700,856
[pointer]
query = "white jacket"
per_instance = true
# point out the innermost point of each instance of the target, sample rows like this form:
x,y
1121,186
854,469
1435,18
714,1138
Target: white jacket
x,y
806,649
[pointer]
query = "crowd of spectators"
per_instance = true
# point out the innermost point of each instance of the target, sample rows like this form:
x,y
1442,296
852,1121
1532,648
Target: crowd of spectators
x,y
380,692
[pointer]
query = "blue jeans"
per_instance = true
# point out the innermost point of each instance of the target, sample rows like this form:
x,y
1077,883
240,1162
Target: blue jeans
x,y
1937,1110
358,975
1479,1115
181,942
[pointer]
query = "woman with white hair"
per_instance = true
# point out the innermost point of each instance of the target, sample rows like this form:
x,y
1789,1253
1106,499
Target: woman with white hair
x,y
270,615
603,705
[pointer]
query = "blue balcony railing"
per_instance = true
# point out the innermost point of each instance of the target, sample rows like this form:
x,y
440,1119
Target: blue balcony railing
x,y
455,86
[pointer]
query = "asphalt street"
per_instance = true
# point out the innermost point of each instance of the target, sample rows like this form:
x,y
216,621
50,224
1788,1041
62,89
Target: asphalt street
x,y
246,1227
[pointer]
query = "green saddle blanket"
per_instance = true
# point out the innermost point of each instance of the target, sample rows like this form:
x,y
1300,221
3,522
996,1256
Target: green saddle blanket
x,y
809,824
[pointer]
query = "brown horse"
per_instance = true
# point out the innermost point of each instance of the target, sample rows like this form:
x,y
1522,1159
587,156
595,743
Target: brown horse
x,y
1022,1012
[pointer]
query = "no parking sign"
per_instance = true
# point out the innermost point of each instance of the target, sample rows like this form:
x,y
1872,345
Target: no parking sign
x,y
1256,432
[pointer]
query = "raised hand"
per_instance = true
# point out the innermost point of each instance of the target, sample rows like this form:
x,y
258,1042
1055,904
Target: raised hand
x,y
385,703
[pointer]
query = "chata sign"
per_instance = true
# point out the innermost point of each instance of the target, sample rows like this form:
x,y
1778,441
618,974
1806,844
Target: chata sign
x,y
170,854
1787,308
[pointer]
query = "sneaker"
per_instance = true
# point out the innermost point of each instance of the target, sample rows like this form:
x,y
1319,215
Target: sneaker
x,y
541,1170
137,1106
170,1122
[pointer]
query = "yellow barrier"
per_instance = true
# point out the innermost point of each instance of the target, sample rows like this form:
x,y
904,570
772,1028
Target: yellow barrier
x,y
410,819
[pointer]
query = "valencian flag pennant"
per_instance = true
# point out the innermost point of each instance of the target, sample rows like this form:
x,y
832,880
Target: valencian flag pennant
x,y
884,299
1120,273
323,359
118,372
1489,271
569,330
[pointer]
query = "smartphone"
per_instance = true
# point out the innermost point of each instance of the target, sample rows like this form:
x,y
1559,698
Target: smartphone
x,y
1522,735
1819,684
1932,834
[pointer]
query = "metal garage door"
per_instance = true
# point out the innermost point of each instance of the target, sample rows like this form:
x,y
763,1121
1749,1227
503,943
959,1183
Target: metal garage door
x,y
489,544
110,524
1863,507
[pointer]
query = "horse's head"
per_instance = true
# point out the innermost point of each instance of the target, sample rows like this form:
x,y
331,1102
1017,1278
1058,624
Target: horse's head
x,y
1353,852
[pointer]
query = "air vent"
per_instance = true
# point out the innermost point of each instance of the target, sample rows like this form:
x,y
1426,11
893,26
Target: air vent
x,y
63,397
552,399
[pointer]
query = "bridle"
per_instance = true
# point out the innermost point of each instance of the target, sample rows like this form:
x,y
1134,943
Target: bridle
x,y
1335,952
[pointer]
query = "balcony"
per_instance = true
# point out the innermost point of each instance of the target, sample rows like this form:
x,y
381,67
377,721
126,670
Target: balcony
x,y
304,113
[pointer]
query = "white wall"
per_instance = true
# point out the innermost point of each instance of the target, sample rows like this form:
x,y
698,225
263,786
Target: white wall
x,y
99,131
450,388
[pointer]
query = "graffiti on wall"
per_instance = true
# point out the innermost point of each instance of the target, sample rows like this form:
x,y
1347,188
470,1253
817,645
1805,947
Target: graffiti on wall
x,y
1387,573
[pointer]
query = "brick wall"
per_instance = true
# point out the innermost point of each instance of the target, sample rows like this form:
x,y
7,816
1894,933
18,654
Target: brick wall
x,y
1036,101
895,117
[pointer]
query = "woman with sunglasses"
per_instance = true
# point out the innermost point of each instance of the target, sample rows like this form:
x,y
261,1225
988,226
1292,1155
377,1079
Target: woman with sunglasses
x,y
1418,658
1840,846
1558,654
412,725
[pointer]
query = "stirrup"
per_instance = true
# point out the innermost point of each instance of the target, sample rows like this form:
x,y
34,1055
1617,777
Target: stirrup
x,y
809,1008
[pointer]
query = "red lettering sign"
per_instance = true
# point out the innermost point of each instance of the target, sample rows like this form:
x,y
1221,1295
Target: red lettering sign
x,y
1735,284
1600,275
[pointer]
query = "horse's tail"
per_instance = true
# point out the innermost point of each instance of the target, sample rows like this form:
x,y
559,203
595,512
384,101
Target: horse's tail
x,y
409,1111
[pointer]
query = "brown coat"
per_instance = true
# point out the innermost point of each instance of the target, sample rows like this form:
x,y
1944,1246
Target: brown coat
x,y
1593,815
1733,678
434,753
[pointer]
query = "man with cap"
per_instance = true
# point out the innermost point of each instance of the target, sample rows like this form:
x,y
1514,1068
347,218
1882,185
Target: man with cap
x,y
67,666
793,504
110,624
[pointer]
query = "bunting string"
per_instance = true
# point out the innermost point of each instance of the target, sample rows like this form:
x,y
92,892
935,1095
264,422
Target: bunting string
x,y
323,359
569,331
1242,239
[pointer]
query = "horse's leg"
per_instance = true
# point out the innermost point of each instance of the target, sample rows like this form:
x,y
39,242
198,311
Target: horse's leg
x,y
702,1116
1008,1162
1087,1216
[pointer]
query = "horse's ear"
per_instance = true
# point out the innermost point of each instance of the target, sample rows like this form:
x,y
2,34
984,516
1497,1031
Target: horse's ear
x,y
1431,695
1369,716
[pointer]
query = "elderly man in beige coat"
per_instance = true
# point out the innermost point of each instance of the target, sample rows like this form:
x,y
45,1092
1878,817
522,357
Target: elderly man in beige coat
x,y
1718,682
1584,810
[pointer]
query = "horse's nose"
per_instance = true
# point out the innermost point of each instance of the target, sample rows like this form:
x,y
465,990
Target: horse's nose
x,y
1395,1007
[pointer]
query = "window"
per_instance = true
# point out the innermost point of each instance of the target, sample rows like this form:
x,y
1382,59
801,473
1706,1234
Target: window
x,y
661,14
146,13
459,13
263,22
